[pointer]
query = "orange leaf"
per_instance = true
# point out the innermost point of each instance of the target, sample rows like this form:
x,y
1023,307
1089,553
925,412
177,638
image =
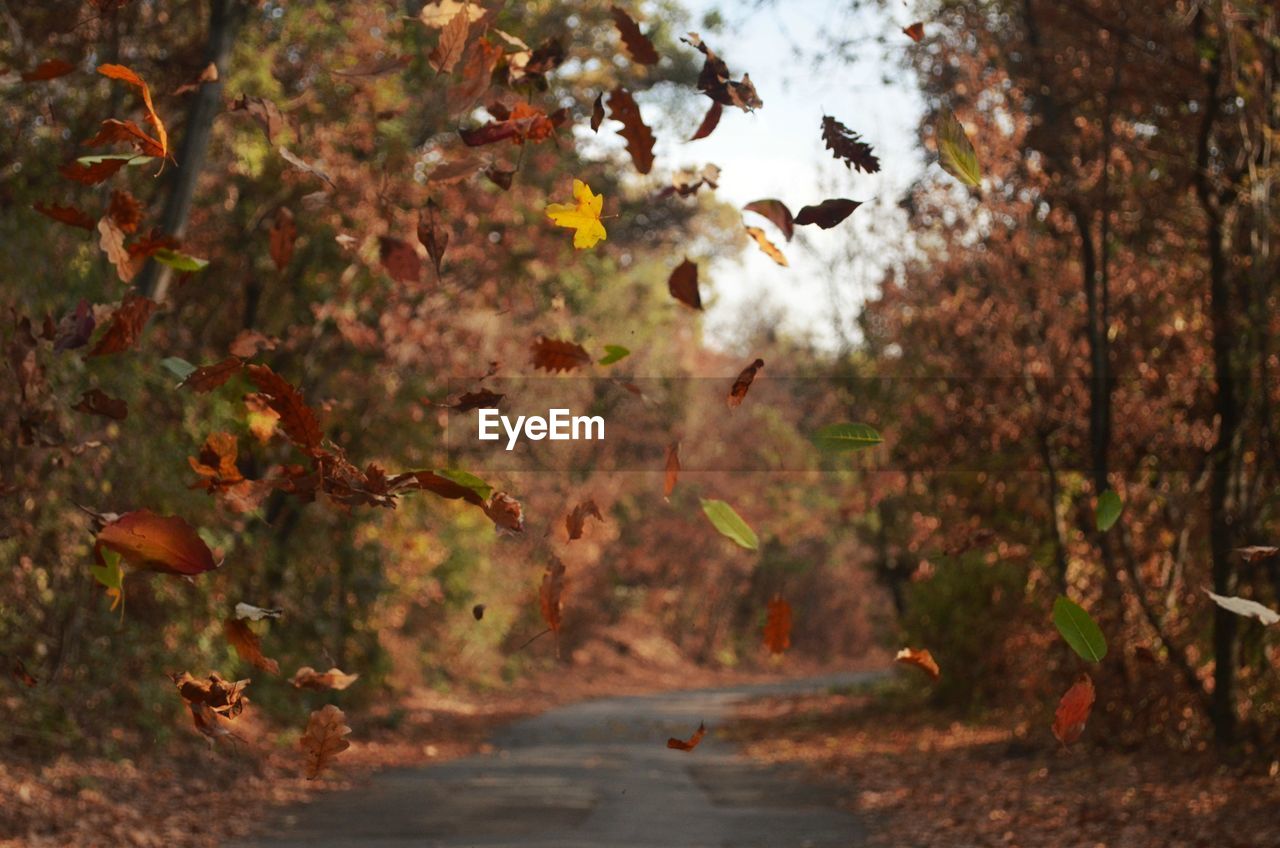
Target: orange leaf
x,y
555,355
335,678
48,69
767,247
248,645
921,659
111,240
282,235
673,469
505,512
551,595
740,386
452,43
157,542
323,740
222,696
125,210
1073,710
682,745
777,627
120,72
400,259
298,420
217,463
915,31
113,131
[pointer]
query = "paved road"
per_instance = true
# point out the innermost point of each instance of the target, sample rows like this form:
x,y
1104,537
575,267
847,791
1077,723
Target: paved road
x,y
591,775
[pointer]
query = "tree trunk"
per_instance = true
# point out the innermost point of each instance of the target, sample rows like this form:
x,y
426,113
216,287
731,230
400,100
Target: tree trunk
x,y
225,19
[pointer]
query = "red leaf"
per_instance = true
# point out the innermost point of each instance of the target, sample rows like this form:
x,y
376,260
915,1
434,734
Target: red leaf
x,y
915,31
98,402
673,469
777,626
248,645
298,420
551,595
92,174
68,215
48,69
400,259
597,113
1073,710
710,122
828,213
126,325
741,385
776,212
555,355
282,236
716,83
575,522
692,742
160,543
206,378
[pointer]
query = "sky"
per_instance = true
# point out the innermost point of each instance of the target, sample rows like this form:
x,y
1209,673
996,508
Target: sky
x,y
777,152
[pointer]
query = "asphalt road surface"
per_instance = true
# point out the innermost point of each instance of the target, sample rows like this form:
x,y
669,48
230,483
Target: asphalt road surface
x,y
592,775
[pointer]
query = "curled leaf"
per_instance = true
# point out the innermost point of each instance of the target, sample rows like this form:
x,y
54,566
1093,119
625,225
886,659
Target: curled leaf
x,y
921,659
690,743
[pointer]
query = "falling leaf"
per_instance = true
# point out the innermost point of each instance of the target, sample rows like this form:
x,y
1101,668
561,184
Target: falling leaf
x,y
836,438
709,122
249,612
206,378
776,212
505,512
455,484
915,31
847,145
955,151
111,240
333,679
687,181
21,674
597,113
125,211
1246,608
224,697
828,213
109,573
75,328
575,521
730,524
767,247
523,124
126,325
1073,710
672,469
268,118
777,625
551,596
742,385
98,402
453,41
1257,553
157,542
640,140
69,215
1108,511
323,740
500,175
178,260
298,420
483,399
921,659
692,742
554,355
1079,630
95,172
158,146
432,234
683,284
248,645
442,12
305,167
209,74
638,45
400,259
582,216
47,70
715,81
248,343
613,353
477,612
281,238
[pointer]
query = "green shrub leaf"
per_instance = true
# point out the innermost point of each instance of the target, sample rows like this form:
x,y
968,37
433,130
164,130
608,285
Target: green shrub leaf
x,y
1081,632
837,438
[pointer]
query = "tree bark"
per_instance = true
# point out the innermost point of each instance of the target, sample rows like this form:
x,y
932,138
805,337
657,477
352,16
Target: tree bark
x,y
225,19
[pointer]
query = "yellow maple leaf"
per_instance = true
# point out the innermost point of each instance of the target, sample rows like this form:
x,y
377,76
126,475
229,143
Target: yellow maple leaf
x,y
583,215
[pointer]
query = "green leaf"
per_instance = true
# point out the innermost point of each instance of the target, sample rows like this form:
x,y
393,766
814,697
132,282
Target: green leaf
x,y
129,158
1082,634
614,353
178,367
837,438
467,480
956,153
1109,508
179,261
111,575
730,524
